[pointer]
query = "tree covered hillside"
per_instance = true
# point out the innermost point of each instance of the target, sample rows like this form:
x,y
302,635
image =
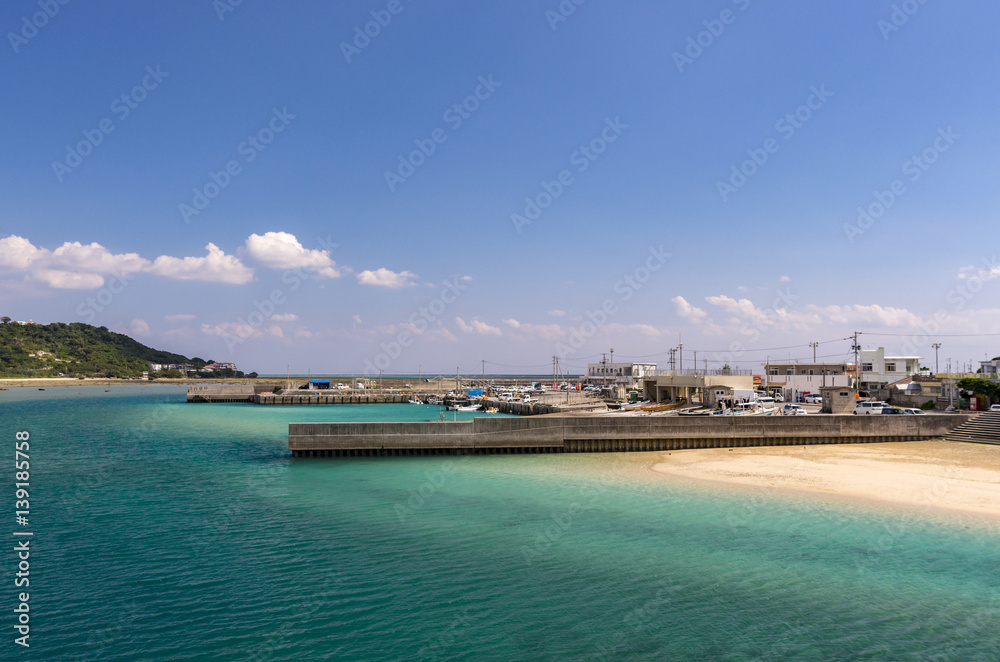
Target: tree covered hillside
x,y
76,350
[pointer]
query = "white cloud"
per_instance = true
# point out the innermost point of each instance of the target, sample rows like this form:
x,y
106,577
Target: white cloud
x,y
17,253
475,326
546,331
285,317
785,279
235,329
68,280
281,250
386,278
216,267
139,327
356,318
557,313
687,311
95,258
181,317
70,266
988,271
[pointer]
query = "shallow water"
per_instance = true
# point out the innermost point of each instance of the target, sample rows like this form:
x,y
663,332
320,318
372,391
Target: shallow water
x,y
172,531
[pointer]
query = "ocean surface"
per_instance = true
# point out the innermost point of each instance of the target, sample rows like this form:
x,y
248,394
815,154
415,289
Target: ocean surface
x,y
169,531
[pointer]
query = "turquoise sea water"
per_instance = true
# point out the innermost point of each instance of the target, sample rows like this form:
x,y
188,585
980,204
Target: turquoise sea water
x,y
168,531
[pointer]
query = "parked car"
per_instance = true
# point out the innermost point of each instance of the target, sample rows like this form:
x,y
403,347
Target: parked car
x,y
915,412
813,399
793,410
870,407
891,410
995,408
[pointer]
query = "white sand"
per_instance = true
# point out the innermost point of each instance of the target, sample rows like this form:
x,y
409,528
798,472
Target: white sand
x,y
927,474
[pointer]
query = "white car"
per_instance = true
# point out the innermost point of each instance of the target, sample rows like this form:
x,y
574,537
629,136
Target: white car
x,y
995,408
872,407
813,399
914,412
794,410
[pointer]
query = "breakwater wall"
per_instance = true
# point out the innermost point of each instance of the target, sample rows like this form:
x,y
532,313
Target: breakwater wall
x,y
579,434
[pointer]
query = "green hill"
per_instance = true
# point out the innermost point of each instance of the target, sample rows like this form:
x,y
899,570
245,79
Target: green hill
x,y
76,350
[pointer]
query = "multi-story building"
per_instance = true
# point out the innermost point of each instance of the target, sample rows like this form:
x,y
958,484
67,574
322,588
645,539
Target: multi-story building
x,y
795,379
628,374
879,370
990,369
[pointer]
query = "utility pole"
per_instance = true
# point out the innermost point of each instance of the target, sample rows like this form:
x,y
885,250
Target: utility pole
x,y
458,380
680,351
673,359
613,365
936,347
604,369
814,345
484,373
696,360
857,366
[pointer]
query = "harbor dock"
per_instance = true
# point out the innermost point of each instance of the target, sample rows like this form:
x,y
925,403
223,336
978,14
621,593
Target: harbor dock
x,y
590,434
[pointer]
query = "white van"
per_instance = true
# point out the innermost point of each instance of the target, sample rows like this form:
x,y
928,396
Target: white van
x,y
873,407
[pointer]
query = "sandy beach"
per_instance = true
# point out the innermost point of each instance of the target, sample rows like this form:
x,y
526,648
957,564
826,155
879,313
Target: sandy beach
x,y
937,475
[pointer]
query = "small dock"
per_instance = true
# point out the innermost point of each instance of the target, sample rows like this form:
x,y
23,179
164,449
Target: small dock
x,y
582,434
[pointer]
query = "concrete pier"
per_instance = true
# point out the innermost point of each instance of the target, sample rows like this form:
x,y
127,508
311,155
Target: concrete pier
x,y
572,434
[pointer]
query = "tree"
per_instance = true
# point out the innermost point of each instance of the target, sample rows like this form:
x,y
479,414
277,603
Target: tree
x,y
979,386
5,319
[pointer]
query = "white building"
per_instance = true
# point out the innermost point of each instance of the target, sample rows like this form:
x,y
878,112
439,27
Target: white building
x,y
990,369
793,380
629,374
878,370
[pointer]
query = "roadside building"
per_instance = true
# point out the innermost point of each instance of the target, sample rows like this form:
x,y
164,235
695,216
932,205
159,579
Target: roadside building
x,y
990,369
685,385
879,370
838,399
793,380
627,374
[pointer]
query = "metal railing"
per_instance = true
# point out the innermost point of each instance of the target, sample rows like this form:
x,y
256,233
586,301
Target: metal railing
x,y
695,371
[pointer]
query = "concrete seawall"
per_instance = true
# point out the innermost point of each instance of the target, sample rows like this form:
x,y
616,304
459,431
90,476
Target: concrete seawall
x,y
569,434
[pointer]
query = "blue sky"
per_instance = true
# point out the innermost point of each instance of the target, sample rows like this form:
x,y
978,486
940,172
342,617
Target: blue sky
x,y
627,124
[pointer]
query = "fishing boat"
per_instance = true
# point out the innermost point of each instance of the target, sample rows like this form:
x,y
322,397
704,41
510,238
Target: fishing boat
x,y
468,408
415,402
